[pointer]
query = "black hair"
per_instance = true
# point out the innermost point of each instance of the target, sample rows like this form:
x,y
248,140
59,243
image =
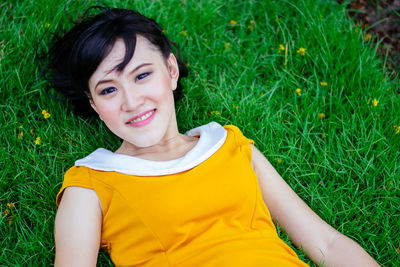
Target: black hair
x,y
76,55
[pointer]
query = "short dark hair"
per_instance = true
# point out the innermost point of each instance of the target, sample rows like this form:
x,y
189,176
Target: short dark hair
x,y
76,55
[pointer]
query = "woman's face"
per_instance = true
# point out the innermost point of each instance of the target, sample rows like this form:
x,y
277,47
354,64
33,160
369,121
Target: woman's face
x,y
136,104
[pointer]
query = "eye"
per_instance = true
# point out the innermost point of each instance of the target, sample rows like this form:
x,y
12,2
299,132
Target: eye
x,y
108,90
142,76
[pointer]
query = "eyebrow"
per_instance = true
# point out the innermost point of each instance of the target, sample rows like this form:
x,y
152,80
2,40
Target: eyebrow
x,y
132,71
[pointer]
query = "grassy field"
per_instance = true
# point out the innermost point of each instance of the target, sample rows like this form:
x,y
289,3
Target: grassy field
x,y
298,77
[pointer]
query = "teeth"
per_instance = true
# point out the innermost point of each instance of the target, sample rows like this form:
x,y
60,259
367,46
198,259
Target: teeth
x,y
145,116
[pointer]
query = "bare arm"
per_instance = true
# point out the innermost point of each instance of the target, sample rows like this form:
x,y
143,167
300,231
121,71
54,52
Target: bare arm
x,y
78,228
322,243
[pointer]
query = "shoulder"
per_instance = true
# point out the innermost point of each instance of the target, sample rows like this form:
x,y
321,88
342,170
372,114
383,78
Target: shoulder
x,y
75,177
76,173
237,134
237,141
233,129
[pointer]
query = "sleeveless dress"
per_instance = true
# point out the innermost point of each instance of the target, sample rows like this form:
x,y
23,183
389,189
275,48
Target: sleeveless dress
x,y
205,209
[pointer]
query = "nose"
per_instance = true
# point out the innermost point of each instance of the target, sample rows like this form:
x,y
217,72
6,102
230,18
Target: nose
x,y
131,99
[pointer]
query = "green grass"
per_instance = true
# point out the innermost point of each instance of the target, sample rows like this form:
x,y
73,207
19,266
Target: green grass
x,y
345,166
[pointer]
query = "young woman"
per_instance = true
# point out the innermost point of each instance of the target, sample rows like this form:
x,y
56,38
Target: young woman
x,y
204,198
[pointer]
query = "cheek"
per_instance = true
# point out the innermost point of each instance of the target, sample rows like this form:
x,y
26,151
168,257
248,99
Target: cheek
x,y
107,112
167,86
159,90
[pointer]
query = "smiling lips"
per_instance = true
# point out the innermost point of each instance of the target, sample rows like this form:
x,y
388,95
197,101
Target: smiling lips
x,y
142,119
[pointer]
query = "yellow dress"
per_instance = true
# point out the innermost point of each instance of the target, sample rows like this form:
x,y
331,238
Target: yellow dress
x,y
210,215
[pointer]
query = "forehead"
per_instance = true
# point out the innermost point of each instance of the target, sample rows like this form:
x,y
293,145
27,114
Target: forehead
x,y
144,52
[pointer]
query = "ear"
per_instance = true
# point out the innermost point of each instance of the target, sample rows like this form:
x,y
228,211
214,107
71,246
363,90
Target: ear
x,y
92,104
173,69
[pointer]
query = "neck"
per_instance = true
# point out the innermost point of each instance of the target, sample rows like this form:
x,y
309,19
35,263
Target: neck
x,y
171,148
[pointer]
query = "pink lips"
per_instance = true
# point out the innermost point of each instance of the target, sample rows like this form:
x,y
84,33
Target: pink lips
x,y
143,118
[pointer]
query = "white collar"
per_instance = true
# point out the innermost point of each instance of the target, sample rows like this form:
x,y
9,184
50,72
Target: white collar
x,y
212,137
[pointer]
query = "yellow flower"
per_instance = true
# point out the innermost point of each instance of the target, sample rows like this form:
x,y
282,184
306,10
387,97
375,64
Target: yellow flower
x,y
47,25
367,37
217,113
46,115
298,91
279,161
37,141
5,213
20,135
301,51
32,132
281,47
396,129
321,115
323,83
11,205
21,126
232,22
375,102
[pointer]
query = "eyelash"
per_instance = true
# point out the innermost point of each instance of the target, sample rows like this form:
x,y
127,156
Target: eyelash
x,y
106,90
141,76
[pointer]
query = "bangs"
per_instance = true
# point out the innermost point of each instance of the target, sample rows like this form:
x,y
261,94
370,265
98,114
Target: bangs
x,y
97,44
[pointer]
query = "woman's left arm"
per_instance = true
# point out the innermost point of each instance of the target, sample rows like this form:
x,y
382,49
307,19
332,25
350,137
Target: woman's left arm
x,y
322,243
